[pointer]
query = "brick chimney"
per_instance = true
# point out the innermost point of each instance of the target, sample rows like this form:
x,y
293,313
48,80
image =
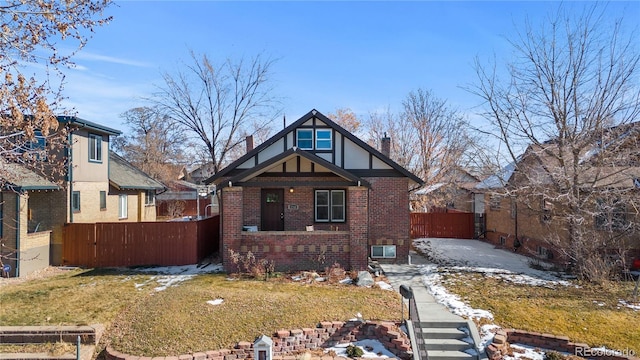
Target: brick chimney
x,y
385,145
249,141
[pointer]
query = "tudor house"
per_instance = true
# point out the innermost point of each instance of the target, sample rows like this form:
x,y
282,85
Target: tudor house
x,y
314,195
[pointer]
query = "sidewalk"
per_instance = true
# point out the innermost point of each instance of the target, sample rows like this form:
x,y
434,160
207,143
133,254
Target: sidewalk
x,y
409,275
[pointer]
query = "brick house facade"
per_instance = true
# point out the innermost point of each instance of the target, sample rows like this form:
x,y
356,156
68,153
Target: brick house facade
x,y
314,195
521,214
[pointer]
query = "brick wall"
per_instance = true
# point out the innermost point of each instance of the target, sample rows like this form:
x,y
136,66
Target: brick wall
x,y
296,250
296,341
500,345
389,219
376,216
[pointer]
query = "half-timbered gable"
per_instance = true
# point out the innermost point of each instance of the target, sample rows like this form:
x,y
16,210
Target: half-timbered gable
x,y
315,191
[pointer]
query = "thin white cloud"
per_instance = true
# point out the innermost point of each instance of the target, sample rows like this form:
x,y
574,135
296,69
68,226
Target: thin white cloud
x,y
82,55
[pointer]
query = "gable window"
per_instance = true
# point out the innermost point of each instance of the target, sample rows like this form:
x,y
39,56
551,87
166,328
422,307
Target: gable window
x,y
150,198
323,139
75,201
95,148
305,139
122,206
383,251
330,206
103,200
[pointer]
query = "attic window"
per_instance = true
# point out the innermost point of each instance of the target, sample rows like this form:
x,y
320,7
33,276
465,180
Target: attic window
x,y
305,139
323,139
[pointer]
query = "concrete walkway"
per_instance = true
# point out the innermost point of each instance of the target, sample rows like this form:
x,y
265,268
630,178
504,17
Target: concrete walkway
x,y
442,334
409,274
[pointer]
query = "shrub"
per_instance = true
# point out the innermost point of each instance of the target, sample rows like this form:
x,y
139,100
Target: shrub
x,y
354,351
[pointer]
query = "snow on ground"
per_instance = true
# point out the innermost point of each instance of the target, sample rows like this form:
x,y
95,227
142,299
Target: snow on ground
x,y
215,302
635,307
432,279
455,255
475,256
371,349
384,285
524,352
168,276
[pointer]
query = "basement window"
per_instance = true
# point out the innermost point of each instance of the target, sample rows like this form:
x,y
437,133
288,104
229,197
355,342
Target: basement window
x,y
383,251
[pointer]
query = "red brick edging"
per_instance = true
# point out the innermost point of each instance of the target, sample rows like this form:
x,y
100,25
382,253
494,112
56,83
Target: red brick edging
x,y
500,345
326,334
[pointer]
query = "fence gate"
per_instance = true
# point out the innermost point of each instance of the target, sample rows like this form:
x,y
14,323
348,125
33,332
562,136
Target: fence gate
x,y
456,225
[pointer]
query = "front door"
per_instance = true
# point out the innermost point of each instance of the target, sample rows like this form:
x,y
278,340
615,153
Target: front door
x,y
272,210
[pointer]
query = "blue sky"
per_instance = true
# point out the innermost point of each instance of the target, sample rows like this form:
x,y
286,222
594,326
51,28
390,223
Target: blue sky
x,y
365,55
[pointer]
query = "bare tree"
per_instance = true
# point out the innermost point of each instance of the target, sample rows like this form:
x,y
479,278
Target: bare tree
x,y
155,145
568,98
218,105
32,32
346,118
429,138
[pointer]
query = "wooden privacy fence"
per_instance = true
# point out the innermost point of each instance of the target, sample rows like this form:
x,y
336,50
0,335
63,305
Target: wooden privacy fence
x,y
143,243
442,225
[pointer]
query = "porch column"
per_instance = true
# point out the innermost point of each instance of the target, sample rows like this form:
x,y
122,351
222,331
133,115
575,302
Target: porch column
x,y
358,205
231,223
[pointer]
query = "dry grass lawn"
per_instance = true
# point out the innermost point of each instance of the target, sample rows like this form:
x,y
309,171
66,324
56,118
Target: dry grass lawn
x,y
178,320
588,314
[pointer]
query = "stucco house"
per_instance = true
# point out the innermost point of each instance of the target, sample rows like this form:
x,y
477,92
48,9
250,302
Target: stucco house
x,y
314,195
96,186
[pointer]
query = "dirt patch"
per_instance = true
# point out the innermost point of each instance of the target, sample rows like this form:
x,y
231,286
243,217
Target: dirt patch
x,y
36,275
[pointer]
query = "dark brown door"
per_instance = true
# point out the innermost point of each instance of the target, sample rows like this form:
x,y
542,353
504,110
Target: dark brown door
x,y
272,210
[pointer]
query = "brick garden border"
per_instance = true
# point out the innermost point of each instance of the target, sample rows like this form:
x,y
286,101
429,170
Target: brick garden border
x,y
287,342
500,345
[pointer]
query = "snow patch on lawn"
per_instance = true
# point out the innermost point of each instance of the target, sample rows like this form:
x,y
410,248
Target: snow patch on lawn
x,y
168,276
633,306
371,349
525,352
215,302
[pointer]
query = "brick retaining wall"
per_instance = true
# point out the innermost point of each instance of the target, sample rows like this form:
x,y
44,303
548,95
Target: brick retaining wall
x,y
500,345
286,342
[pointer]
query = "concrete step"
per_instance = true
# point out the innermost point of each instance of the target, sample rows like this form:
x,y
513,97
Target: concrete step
x,y
449,355
453,323
447,344
443,333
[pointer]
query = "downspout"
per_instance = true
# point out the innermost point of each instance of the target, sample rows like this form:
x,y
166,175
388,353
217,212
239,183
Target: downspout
x,y
18,195
69,151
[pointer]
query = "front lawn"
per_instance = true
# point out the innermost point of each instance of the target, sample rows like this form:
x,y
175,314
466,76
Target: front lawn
x,y
591,314
177,319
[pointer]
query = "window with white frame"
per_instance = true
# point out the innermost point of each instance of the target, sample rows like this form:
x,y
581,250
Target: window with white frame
x,y
123,206
323,139
330,206
75,201
305,139
150,198
103,200
383,251
95,148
